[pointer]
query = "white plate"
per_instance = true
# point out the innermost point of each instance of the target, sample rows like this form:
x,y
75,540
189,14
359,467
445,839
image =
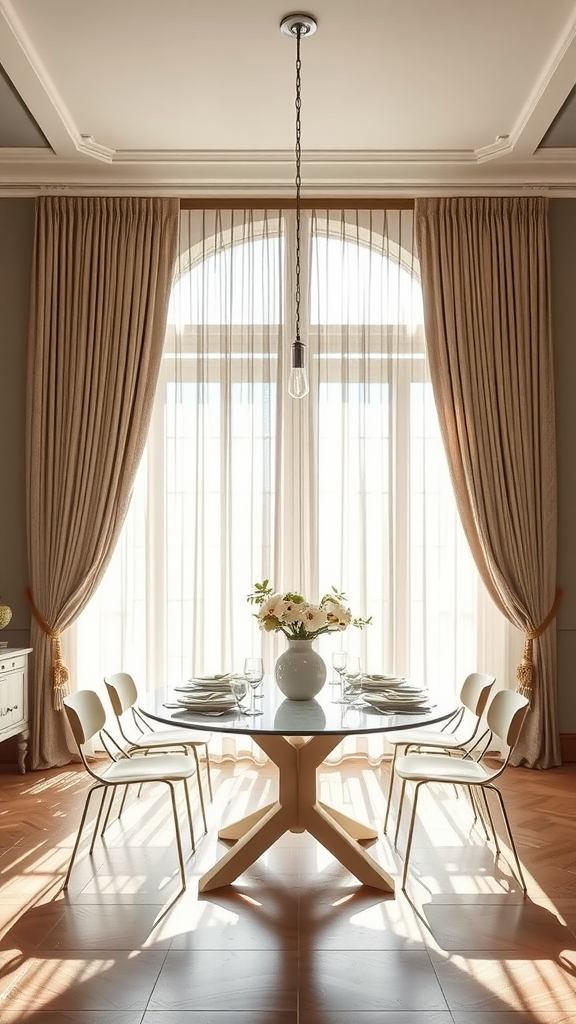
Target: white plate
x,y
198,685
395,697
217,675
405,694
209,700
395,707
381,675
380,683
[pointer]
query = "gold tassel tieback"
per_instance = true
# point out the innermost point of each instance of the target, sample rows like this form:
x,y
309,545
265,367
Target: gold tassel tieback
x,y
60,688
525,670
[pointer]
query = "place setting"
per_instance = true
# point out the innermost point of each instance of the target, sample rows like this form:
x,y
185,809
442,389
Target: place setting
x,y
385,693
223,692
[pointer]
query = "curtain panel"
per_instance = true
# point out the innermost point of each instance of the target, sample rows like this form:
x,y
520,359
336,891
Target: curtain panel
x,y
485,282
101,282
348,487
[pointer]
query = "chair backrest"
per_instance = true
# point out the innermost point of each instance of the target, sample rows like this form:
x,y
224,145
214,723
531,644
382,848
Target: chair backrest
x,y
505,715
475,692
122,692
85,713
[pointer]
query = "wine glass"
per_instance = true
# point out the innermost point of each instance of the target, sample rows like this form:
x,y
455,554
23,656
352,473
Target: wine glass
x,y
253,674
239,690
352,673
339,664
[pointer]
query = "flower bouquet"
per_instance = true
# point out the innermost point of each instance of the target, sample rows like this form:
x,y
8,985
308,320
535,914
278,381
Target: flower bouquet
x,y
299,619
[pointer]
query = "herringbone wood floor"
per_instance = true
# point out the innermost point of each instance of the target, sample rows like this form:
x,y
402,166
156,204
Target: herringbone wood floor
x,y
297,940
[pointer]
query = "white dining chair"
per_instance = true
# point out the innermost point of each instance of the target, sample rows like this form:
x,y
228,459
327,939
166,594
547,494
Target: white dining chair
x,y
87,718
457,736
143,738
504,716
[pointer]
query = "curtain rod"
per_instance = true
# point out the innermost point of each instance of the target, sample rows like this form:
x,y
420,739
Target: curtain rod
x,y
284,203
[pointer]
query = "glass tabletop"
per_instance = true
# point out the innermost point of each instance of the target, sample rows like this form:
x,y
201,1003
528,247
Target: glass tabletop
x,y
293,717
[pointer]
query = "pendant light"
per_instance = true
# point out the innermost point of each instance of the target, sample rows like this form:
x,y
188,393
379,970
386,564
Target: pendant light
x,y
297,26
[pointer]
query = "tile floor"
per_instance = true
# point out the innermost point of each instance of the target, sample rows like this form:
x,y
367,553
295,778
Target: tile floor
x,y
296,940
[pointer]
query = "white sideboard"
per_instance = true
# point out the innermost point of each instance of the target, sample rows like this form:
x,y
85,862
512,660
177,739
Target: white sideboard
x,y
14,698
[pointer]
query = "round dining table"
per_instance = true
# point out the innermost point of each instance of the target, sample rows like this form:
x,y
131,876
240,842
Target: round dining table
x,y
297,736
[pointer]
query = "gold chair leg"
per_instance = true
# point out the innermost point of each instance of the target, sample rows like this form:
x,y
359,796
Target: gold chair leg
x,y
478,812
189,810
123,801
199,784
208,773
390,788
80,830
99,815
399,813
510,838
491,820
177,832
410,834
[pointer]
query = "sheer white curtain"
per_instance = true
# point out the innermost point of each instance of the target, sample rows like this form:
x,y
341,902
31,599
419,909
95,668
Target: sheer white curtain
x,y
348,487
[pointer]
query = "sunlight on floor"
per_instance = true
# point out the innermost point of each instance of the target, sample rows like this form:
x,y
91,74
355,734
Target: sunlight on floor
x,y
463,941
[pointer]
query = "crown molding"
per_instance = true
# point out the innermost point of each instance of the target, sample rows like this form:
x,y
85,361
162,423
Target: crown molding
x,y
87,145
346,192
559,156
368,157
231,173
79,161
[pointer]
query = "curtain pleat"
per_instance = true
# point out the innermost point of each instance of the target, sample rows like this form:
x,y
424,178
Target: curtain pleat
x,y
102,275
485,268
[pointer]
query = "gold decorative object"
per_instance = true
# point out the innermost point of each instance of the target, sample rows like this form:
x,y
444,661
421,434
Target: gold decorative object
x,y
5,614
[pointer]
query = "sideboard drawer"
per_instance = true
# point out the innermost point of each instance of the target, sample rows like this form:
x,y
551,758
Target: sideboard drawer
x,y
12,663
14,699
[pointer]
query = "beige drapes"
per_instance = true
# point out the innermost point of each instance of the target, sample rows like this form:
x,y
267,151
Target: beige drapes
x,y
487,317
101,281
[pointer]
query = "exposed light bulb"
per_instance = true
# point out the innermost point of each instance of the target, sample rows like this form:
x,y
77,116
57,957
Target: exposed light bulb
x,y
298,380
298,383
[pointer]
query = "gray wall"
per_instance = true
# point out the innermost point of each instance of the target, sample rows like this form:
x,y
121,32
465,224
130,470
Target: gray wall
x,y
16,241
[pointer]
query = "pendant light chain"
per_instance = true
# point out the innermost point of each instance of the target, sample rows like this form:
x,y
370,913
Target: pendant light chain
x,y
298,25
298,154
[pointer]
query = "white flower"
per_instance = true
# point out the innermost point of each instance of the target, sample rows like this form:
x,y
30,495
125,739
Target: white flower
x,y
272,608
293,611
314,618
290,613
337,615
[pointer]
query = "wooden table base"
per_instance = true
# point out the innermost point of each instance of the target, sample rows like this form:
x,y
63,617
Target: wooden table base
x,y
297,809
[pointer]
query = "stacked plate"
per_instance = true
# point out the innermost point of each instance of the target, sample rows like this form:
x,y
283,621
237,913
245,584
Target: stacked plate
x,y
218,683
209,702
393,694
208,694
379,682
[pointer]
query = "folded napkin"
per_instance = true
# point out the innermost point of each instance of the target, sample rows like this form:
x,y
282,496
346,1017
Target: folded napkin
x,y
215,683
216,676
383,676
402,693
205,686
374,682
206,700
397,700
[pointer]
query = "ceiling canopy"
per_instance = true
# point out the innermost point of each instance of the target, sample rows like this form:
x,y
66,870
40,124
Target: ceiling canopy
x,y
422,97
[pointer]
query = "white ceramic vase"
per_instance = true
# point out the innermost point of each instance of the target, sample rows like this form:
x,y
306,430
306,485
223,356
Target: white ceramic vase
x,y
300,671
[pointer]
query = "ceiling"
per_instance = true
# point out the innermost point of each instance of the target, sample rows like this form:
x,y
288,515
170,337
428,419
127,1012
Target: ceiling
x,y
399,98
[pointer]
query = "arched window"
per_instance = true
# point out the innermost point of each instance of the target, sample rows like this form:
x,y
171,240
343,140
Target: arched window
x,y
348,487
